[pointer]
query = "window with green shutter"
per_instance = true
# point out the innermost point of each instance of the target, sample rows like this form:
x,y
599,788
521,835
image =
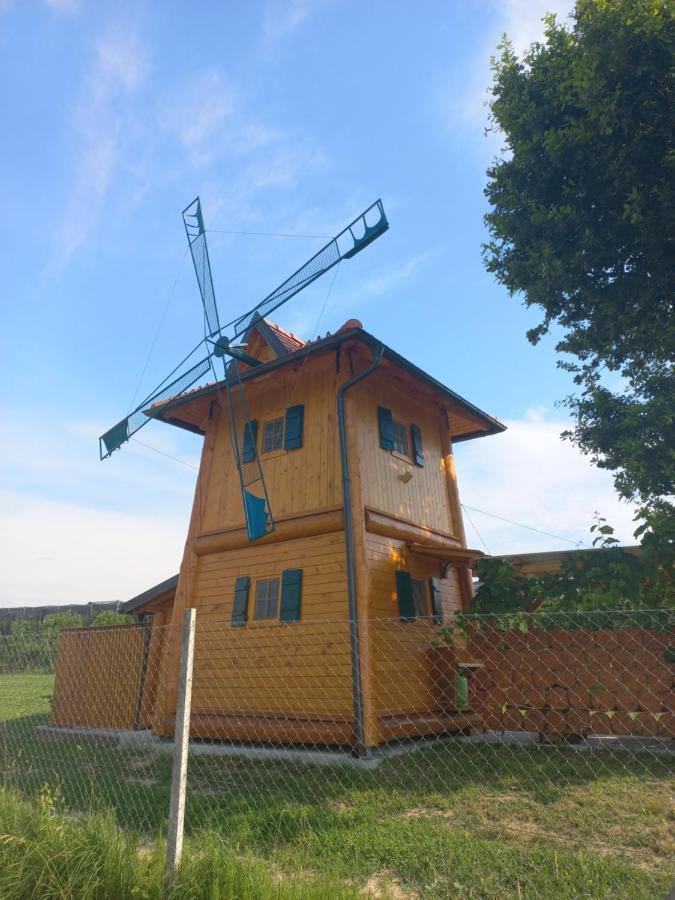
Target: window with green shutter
x,y
417,447
291,595
386,428
406,599
250,440
436,600
295,417
240,602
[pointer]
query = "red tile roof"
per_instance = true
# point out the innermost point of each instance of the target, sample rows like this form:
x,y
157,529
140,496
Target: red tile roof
x,y
290,341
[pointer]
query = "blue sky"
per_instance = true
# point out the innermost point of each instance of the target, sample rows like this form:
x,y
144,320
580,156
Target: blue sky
x,y
284,117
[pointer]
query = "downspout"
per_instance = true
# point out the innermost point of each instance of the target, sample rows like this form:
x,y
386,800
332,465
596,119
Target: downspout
x,y
349,547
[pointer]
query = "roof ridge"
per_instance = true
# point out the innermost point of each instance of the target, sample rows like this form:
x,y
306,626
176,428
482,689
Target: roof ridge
x,y
288,334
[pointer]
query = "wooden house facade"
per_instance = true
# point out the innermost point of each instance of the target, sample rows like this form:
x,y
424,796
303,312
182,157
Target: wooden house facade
x,y
318,632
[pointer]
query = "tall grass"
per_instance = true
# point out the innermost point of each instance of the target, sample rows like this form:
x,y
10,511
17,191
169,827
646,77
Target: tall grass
x,y
45,854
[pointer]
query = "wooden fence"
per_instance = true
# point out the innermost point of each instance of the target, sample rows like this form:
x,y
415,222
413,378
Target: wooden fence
x,y
575,682
99,677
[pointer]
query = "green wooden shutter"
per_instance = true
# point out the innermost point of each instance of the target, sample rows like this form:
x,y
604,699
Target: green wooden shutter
x,y
291,595
418,449
240,603
295,417
436,600
386,428
250,441
406,601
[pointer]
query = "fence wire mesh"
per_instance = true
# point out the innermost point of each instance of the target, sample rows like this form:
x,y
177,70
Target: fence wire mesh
x,y
76,715
552,729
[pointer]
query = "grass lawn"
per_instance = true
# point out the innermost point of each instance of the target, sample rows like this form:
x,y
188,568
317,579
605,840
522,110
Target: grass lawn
x,y
450,820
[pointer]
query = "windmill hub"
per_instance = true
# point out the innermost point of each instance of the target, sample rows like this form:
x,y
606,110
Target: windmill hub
x,y
221,346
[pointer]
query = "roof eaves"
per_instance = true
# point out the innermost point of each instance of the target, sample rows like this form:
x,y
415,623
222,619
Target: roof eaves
x,y
493,426
151,594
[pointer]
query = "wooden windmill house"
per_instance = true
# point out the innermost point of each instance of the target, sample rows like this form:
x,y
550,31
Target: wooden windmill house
x,y
326,538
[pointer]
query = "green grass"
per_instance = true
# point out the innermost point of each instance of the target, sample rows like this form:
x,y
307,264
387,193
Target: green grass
x,y
448,820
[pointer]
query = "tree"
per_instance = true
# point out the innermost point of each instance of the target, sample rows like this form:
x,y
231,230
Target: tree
x,y
110,617
582,224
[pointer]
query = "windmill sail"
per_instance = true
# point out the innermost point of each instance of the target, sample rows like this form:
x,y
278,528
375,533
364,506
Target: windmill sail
x,y
194,228
123,430
350,241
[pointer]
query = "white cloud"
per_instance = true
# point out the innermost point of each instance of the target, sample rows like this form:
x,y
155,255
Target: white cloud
x,y
75,529
465,104
531,476
56,552
105,129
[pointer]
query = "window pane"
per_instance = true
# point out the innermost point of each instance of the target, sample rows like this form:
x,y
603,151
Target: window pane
x,y
266,598
400,435
419,590
273,435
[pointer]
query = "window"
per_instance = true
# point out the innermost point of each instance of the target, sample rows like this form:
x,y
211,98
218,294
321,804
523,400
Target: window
x,y
419,591
394,436
400,437
273,435
266,599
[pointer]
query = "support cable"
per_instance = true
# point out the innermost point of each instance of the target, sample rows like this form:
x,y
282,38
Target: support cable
x,y
159,328
483,512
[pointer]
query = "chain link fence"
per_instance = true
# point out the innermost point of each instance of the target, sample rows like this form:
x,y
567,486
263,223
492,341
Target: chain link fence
x,y
556,730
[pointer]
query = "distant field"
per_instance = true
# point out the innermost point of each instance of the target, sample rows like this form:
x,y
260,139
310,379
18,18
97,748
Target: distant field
x,y
448,820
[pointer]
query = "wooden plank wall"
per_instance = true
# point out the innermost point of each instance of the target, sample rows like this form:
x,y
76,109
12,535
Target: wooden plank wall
x,y
322,559
424,498
300,480
401,647
259,680
98,677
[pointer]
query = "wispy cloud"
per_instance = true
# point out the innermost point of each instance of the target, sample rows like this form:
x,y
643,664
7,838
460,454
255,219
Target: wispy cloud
x,y
208,117
531,476
393,278
105,129
281,17
304,318
465,104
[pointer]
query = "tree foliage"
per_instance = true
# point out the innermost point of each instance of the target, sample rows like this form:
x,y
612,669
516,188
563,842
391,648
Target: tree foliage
x,y
609,577
110,617
582,223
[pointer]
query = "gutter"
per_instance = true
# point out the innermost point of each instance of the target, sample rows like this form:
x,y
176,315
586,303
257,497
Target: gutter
x,y
357,689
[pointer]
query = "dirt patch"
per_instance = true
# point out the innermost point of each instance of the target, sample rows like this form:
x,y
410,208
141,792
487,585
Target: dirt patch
x,y
422,812
385,886
144,782
340,806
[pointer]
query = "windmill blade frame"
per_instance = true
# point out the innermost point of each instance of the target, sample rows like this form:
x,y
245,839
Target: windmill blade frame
x,y
124,429
196,235
350,241
344,245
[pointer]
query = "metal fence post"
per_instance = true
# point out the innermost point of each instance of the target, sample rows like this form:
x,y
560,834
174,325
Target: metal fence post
x,y
174,838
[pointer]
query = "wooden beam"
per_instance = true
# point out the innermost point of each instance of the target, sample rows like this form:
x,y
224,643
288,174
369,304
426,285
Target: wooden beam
x,y
378,522
306,524
459,557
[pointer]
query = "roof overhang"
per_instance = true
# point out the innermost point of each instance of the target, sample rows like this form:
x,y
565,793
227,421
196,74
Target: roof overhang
x,y
460,556
481,425
144,602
